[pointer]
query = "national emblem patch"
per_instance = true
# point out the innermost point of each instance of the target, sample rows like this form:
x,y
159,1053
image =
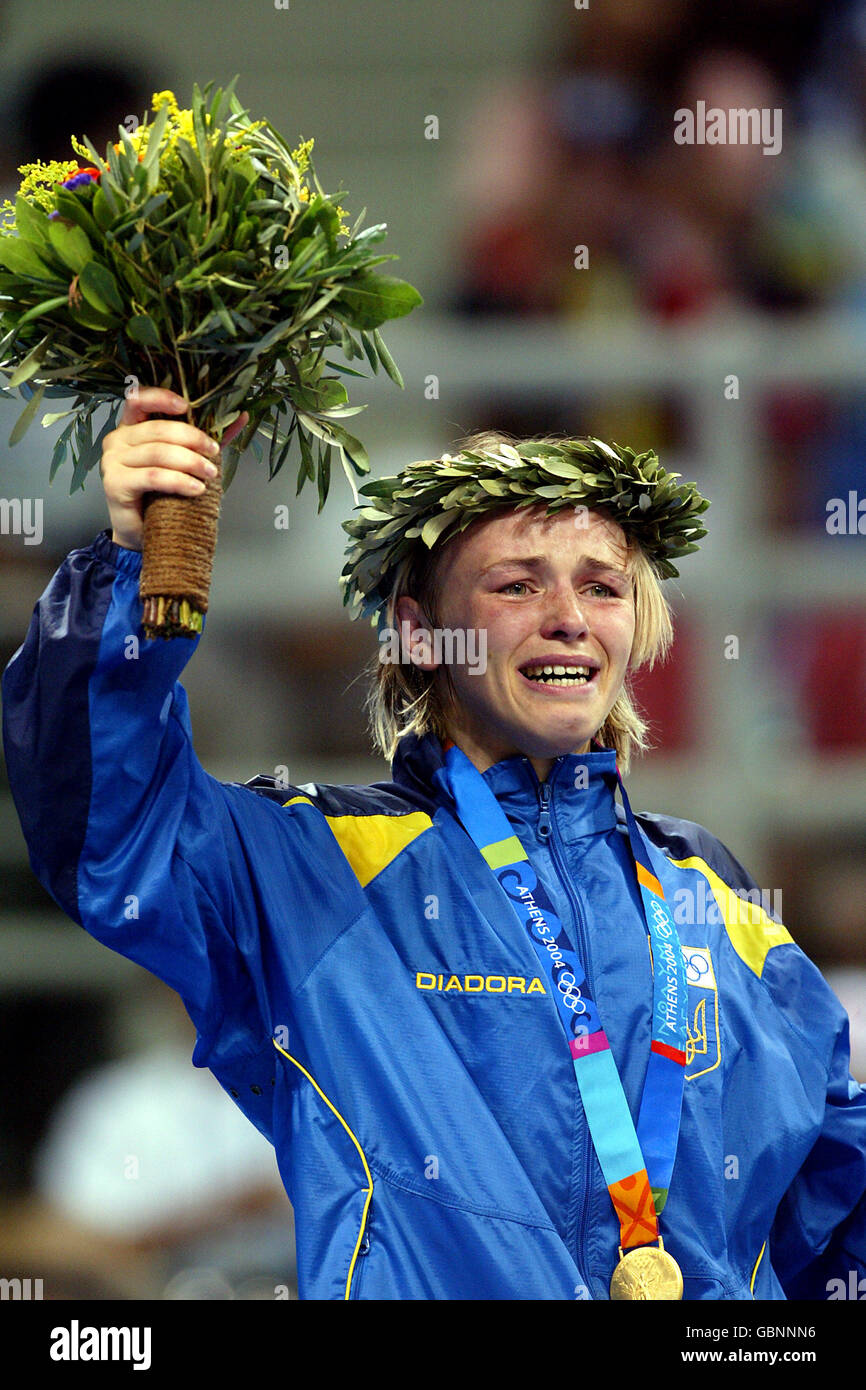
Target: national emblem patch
x,y
703,1048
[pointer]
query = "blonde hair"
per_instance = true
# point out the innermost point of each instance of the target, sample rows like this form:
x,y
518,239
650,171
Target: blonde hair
x,y
403,699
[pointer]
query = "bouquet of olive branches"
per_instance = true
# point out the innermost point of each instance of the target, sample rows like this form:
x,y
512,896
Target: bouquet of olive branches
x,y
199,254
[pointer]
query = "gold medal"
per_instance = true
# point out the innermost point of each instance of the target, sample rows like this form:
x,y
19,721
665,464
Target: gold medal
x,y
646,1272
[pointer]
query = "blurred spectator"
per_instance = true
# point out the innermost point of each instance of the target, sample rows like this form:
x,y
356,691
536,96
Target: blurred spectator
x,y
547,164
700,241
820,654
833,93
156,1183
86,94
587,158
826,914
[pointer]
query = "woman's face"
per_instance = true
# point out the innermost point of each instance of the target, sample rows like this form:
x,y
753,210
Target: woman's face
x,y
541,591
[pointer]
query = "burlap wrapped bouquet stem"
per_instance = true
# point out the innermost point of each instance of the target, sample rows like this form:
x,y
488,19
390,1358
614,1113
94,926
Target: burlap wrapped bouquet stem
x,y
178,546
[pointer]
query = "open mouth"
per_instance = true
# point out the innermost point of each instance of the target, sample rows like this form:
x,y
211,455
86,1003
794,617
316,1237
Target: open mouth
x,y
564,675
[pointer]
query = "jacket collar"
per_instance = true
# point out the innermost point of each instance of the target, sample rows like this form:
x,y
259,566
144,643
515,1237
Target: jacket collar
x,y
582,785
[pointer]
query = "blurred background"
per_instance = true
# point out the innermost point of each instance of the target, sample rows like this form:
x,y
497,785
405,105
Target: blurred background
x,y
582,271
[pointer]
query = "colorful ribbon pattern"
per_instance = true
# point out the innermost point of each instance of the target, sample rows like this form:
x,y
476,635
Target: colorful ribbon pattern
x,y
637,1162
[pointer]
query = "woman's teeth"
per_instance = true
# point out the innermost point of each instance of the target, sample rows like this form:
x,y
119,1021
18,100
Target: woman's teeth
x,y
559,675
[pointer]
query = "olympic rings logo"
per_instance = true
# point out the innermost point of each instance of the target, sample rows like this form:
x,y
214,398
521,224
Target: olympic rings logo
x,y
696,967
567,986
660,916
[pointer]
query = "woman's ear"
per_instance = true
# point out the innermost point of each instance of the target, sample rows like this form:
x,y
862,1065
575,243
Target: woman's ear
x,y
416,637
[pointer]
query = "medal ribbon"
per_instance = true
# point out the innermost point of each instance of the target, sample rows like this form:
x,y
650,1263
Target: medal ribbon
x,y
636,1162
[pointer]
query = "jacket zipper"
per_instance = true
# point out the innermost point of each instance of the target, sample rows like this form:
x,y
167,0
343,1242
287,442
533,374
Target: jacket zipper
x,y
544,823
545,833
363,1235
363,1252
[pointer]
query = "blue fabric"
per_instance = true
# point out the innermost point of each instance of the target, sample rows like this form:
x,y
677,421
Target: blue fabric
x,y
450,1098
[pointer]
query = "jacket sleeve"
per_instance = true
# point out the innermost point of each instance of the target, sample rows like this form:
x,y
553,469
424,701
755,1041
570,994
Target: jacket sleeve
x,y
818,1240
129,834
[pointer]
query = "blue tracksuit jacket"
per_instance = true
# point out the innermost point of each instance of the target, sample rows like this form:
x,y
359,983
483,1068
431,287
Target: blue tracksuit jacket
x,y
362,991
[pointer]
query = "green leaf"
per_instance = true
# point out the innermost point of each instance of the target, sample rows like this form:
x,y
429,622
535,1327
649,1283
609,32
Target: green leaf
x,y
143,330
87,452
110,424
560,469
96,158
21,258
30,366
386,359
85,313
73,207
433,528
100,288
60,448
307,468
331,394
314,426
198,122
276,441
347,371
329,221
128,157
151,154
215,236
71,244
22,424
370,349
225,317
323,478
382,487
351,447
49,420
314,310
193,166
371,234
104,207
114,186
231,457
373,299
342,412
31,221
284,452
306,253
347,342
280,330
145,214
